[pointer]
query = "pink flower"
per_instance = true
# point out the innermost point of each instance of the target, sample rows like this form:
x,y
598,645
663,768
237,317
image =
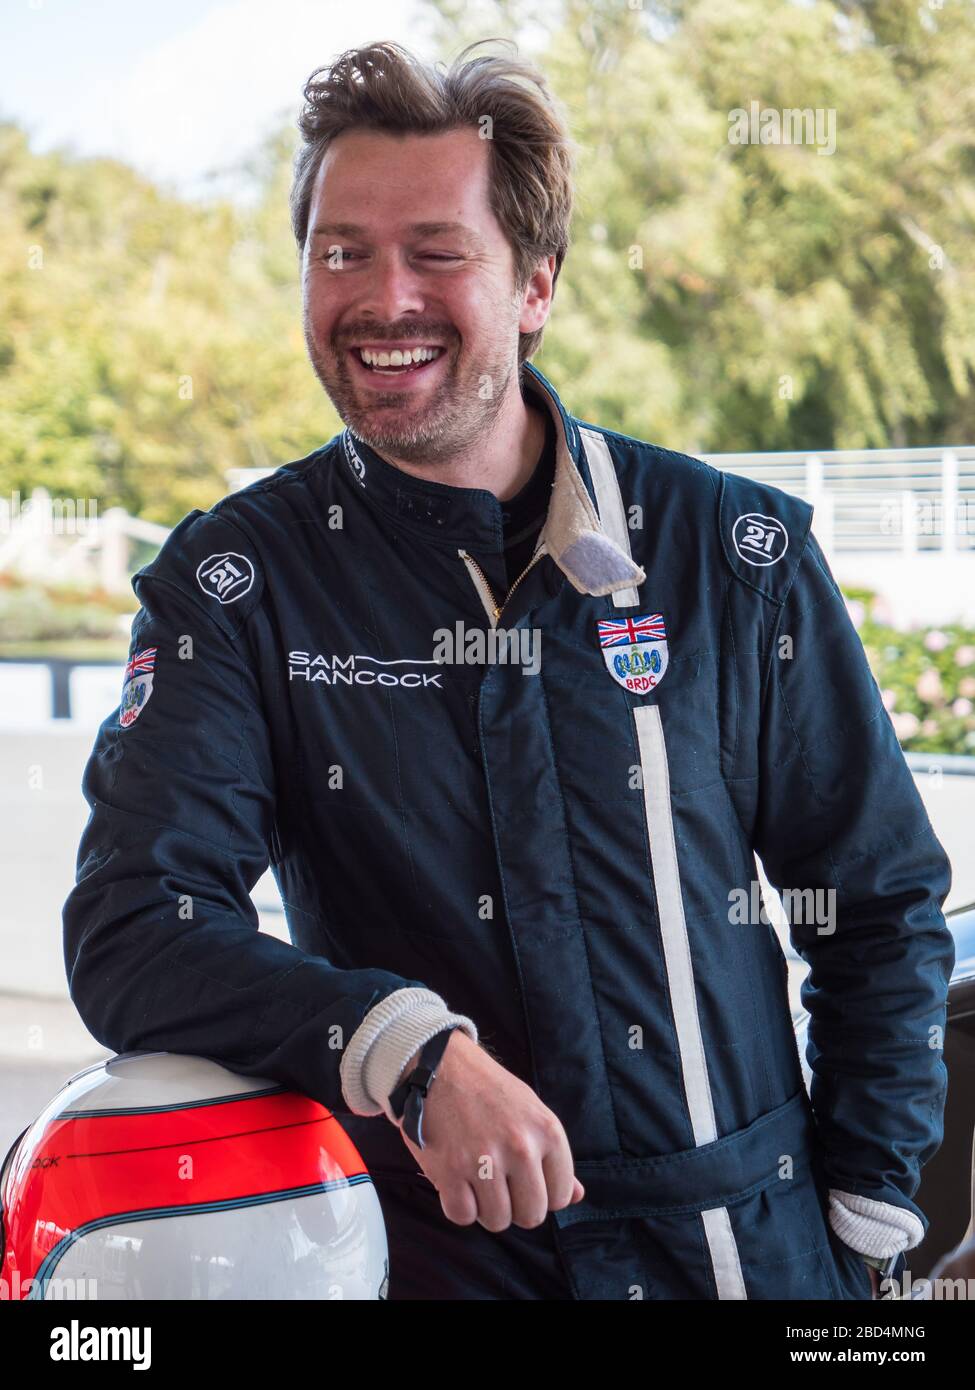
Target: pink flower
x,y
962,707
929,726
928,686
965,656
935,641
905,724
889,698
966,686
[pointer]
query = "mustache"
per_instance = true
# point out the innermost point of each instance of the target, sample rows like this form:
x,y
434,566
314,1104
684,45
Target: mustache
x,y
372,335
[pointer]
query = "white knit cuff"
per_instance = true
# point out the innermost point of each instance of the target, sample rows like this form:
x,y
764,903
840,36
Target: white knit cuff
x,y
873,1228
384,1042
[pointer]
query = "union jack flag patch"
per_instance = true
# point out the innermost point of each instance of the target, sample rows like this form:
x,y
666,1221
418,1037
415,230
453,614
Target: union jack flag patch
x,y
138,685
634,650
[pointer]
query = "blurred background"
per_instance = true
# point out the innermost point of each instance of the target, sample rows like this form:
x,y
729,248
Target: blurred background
x,y
798,309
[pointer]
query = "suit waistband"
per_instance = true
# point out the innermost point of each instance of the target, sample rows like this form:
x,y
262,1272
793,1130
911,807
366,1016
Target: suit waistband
x,y
693,1180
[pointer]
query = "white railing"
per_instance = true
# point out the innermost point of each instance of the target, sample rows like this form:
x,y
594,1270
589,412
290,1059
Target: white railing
x,y
893,501
65,540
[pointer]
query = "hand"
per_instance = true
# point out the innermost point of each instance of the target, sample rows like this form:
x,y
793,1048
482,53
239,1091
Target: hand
x,y
493,1150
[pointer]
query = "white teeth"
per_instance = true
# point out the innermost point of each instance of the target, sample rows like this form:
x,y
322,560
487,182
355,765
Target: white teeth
x,y
396,358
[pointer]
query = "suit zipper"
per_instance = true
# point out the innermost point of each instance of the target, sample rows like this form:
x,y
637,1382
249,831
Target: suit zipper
x,y
497,610
474,696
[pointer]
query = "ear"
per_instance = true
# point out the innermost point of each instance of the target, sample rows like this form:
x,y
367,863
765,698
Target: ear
x,y
537,299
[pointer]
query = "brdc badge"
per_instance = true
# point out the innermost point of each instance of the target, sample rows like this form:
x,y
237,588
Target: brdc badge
x,y
635,651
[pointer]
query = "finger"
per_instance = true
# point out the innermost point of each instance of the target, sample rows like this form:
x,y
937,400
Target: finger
x,y
493,1202
560,1180
458,1203
529,1195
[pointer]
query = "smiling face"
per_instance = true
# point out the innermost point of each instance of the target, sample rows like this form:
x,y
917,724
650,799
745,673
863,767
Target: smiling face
x,y
404,253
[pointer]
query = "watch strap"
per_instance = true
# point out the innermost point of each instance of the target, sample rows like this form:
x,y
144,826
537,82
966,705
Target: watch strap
x,y
406,1099
884,1265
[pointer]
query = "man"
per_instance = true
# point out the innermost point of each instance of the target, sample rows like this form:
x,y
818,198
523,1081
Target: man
x,y
545,847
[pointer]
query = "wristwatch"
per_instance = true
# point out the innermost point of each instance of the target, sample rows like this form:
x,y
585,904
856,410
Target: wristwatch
x,y
884,1265
406,1101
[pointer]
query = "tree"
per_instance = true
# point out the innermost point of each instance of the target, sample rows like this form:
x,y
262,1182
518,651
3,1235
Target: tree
x,y
716,296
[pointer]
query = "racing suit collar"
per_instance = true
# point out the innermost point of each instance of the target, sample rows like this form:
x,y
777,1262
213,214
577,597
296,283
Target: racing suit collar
x,y
472,517
573,536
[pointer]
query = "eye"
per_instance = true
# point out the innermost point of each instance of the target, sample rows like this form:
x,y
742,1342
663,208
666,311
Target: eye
x,y
337,257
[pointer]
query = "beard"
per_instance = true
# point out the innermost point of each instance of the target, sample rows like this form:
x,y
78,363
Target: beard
x,y
445,423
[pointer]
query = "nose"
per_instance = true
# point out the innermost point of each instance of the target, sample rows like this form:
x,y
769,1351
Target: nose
x,y
392,288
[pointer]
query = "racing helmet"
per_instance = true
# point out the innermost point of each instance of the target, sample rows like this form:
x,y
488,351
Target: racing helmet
x,y
157,1175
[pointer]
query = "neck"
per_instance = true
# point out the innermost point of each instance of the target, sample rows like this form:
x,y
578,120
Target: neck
x,y
501,462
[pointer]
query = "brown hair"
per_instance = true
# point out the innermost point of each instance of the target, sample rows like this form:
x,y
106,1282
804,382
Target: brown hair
x,y
383,87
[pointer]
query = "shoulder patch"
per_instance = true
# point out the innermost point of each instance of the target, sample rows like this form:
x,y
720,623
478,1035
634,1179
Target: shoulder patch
x,y
136,685
763,532
759,539
214,564
226,576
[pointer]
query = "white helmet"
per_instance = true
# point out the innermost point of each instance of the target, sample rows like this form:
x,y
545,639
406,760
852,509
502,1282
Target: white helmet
x,y
160,1175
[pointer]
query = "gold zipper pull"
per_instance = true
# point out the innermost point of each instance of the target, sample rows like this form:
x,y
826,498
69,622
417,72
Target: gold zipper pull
x,y
498,608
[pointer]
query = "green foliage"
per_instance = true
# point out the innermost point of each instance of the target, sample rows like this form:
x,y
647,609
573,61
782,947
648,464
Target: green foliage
x,y
717,296
148,344
33,613
786,298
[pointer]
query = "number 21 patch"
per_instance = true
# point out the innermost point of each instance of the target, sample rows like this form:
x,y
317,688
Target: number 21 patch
x,y
635,650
